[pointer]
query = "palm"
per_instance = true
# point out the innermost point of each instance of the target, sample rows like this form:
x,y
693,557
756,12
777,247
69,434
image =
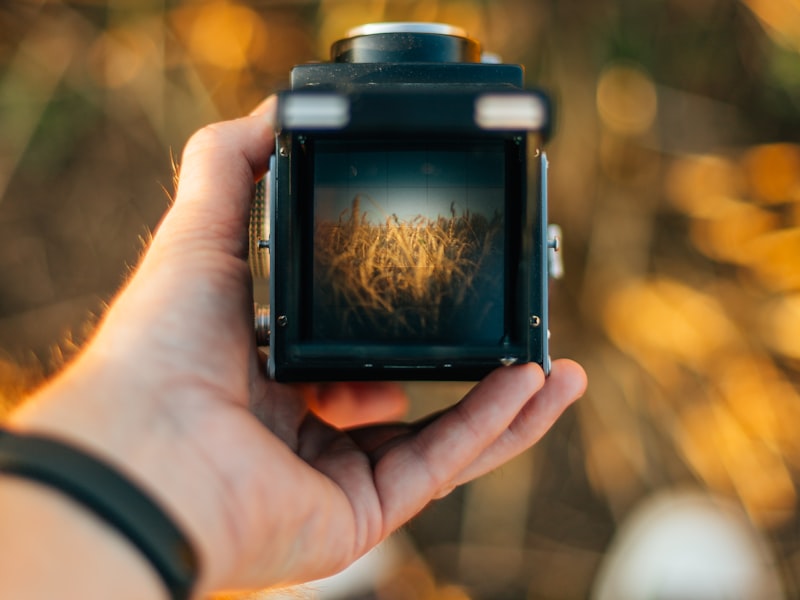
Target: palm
x,y
331,494
284,478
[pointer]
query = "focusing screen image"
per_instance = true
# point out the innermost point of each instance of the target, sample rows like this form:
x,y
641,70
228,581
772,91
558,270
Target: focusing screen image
x,y
408,242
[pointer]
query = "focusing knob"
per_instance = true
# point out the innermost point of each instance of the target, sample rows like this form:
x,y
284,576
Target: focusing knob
x,y
261,324
258,256
406,42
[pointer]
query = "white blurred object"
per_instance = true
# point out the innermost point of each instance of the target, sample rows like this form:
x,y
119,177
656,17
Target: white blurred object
x,y
367,573
688,546
362,577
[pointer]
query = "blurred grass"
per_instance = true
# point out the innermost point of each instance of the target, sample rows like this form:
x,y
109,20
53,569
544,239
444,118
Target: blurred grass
x,y
674,176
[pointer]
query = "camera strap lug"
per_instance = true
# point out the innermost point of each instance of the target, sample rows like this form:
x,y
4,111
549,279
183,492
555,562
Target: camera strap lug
x,y
555,261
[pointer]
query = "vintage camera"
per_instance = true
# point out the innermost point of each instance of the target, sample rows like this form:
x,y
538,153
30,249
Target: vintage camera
x,y
406,236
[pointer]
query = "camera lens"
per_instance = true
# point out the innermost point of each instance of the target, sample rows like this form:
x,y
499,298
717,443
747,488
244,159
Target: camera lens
x,y
406,42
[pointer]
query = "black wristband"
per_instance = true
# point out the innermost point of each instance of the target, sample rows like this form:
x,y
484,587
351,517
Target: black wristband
x,y
110,496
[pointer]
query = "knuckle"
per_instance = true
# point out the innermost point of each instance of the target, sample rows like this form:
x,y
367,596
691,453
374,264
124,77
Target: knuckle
x,y
210,137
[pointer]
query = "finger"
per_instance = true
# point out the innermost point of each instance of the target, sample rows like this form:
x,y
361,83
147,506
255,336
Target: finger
x,y
220,165
267,107
566,383
315,437
420,467
335,455
530,425
378,440
280,407
346,405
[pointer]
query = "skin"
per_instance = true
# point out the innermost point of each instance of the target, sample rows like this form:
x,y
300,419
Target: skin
x,y
172,391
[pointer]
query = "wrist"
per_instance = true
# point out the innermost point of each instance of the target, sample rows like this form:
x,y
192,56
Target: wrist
x,y
53,547
110,496
116,420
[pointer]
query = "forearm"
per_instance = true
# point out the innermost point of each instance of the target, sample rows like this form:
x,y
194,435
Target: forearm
x,y
96,446
52,547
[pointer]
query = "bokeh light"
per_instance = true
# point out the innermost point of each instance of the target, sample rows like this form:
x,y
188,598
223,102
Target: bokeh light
x,y
674,173
773,173
781,19
627,101
226,34
782,325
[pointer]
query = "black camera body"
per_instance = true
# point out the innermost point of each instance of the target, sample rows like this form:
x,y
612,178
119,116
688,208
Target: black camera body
x,y
408,235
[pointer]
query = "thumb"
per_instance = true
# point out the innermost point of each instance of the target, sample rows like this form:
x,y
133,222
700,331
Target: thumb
x,y
220,165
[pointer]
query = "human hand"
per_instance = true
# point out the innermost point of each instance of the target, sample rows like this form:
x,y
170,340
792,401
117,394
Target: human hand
x,y
172,391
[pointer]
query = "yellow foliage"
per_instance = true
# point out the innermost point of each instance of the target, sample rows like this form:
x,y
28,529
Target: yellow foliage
x,y
395,276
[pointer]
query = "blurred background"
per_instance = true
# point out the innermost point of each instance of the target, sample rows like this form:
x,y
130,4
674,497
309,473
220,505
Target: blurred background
x,y
675,175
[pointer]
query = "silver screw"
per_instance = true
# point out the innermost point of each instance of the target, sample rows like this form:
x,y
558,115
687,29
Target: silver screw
x,y
282,321
535,321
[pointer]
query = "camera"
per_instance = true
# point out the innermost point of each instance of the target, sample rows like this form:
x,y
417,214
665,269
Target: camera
x,y
402,225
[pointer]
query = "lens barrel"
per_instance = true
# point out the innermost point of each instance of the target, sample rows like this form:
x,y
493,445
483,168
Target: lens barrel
x,y
406,42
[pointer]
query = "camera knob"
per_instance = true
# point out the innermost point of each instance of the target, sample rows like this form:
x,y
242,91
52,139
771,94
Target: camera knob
x,y
261,324
406,42
259,232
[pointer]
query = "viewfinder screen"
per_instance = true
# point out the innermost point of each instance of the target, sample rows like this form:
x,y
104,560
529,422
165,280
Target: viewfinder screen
x,y
408,242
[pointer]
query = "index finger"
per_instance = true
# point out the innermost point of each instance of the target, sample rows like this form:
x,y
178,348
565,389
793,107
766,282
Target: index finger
x,y
421,466
217,174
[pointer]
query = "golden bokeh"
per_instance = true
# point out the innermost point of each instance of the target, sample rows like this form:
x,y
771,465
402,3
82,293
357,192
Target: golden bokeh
x,y
339,16
675,175
627,101
781,321
225,34
773,173
731,229
702,184
119,55
667,324
775,259
781,19
719,448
